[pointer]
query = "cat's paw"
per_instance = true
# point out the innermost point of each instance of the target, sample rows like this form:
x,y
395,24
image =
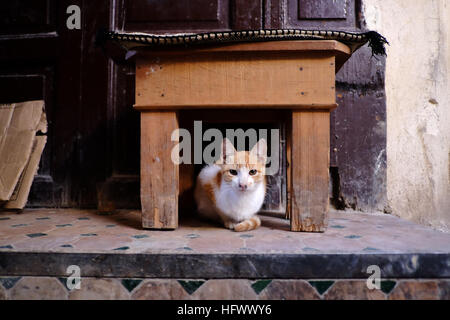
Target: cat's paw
x,y
246,225
230,225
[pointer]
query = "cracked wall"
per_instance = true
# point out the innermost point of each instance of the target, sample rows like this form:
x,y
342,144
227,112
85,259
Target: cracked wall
x,y
418,106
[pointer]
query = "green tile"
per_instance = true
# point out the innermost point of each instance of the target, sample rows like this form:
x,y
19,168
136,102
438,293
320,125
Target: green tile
x,y
63,281
6,247
43,218
387,285
122,248
191,286
352,236
35,235
8,283
370,249
337,226
4,218
64,225
246,236
321,286
185,248
19,225
84,218
140,236
66,246
110,225
88,234
130,284
260,285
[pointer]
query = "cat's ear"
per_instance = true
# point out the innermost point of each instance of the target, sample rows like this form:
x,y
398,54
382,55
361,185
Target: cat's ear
x,y
260,150
228,150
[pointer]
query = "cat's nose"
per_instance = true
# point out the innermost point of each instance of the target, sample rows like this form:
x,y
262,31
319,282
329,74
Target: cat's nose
x,y
243,186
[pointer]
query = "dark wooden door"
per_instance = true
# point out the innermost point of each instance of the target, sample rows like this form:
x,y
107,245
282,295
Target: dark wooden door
x,y
92,155
41,58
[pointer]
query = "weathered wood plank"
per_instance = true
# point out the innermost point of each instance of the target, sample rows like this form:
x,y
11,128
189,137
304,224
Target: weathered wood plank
x,y
291,74
310,170
159,174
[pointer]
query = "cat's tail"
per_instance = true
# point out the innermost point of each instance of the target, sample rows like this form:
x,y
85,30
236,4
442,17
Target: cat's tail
x,y
248,224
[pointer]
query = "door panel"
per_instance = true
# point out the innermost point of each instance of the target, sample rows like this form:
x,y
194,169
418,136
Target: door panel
x,y
180,15
321,14
25,16
322,9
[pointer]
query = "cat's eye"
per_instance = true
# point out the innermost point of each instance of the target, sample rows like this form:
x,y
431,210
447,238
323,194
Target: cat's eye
x,y
252,172
233,172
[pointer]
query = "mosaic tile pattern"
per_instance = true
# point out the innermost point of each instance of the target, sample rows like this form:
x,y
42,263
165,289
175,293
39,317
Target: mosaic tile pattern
x,y
321,286
289,290
100,289
41,288
8,283
159,289
444,289
84,231
130,284
190,286
38,288
353,288
2,293
260,285
225,289
410,289
71,230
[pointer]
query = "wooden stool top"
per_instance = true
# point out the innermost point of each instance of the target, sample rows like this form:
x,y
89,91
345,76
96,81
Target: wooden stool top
x,y
277,74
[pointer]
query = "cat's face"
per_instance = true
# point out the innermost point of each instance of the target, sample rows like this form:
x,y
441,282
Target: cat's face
x,y
244,170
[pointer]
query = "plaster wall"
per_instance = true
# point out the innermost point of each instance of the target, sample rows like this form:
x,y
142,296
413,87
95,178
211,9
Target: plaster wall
x,y
418,106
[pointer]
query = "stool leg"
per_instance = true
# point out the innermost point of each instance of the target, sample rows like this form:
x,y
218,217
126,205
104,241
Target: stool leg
x,y
310,154
159,175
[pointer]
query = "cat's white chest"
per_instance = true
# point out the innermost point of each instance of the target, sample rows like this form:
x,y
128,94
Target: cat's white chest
x,y
240,205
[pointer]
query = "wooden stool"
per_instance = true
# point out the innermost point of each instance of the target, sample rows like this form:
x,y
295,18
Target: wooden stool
x,y
298,76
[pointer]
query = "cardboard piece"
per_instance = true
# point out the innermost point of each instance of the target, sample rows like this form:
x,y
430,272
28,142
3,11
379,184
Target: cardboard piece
x,y
20,149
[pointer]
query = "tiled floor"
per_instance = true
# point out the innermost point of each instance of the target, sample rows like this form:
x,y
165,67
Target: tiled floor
x,y
117,259
71,230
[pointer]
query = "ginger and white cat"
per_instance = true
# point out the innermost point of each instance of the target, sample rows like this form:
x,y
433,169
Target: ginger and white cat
x,y
232,190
